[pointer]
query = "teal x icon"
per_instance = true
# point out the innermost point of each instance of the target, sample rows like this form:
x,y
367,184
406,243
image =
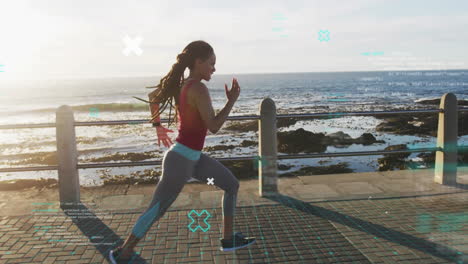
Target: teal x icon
x,y
94,112
324,35
204,220
263,160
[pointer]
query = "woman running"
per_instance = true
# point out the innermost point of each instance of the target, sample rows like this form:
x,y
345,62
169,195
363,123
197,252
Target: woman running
x,y
184,159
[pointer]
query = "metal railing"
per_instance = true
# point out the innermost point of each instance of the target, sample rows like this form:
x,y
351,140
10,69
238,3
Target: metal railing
x,y
446,150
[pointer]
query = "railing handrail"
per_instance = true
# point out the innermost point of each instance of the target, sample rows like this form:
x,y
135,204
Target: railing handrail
x,y
245,117
238,158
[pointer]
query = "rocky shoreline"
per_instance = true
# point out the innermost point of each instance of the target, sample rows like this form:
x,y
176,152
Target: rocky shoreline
x,y
290,142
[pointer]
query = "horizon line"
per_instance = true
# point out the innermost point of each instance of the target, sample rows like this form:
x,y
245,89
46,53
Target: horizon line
x,y
251,73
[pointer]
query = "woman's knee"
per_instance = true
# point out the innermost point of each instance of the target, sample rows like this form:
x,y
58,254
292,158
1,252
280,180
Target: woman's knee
x,y
234,186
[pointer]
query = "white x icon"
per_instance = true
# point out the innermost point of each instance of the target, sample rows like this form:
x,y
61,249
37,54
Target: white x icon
x,y
210,181
132,45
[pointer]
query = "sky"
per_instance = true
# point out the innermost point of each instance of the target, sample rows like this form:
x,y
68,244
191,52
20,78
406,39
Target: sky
x,y
58,39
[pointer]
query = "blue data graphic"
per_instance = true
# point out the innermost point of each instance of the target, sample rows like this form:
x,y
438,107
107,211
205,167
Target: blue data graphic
x,y
262,160
278,20
204,220
324,35
94,112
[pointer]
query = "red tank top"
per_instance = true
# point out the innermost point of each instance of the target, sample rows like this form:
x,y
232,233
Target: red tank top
x,y
192,129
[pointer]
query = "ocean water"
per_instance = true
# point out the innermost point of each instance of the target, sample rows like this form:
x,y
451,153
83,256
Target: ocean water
x,y
111,99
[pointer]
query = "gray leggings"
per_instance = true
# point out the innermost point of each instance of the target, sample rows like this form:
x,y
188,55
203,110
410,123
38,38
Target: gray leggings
x,y
176,170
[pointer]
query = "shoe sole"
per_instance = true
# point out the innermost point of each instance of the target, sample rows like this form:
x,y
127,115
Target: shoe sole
x,y
113,261
111,257
232,249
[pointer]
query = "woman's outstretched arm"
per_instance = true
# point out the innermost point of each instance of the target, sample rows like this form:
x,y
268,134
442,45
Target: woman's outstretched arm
x,y
155,119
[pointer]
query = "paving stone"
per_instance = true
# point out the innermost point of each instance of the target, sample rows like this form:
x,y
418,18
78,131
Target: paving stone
x,y
211,195
342,177
405,185
183,200
357,188
421,229
122,201
314,191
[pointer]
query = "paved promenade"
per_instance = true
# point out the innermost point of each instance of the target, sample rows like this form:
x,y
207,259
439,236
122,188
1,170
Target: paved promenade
x,y
387,217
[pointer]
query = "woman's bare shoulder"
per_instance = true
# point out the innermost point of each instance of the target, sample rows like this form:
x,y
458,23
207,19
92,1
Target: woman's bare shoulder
x,y
196,90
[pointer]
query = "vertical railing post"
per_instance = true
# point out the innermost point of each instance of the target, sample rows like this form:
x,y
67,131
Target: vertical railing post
x,y
67,156
267,147
445,171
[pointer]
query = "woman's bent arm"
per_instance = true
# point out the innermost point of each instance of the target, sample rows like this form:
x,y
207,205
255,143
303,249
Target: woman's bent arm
x,y
203,102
